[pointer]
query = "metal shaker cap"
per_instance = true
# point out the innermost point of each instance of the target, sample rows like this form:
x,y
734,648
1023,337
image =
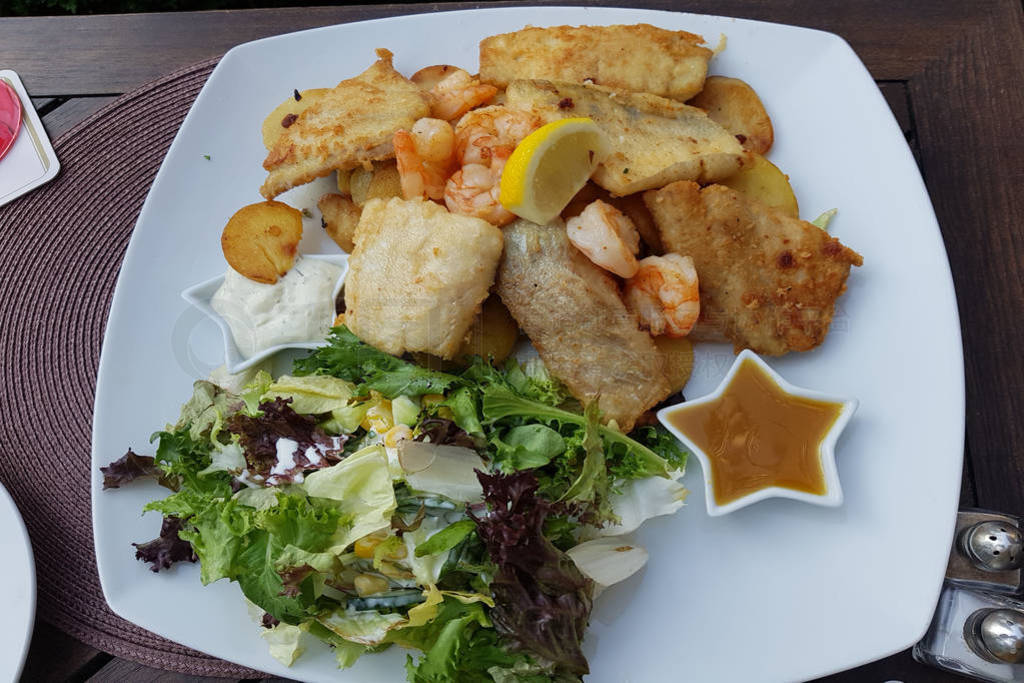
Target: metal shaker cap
x,y
996,635
994,546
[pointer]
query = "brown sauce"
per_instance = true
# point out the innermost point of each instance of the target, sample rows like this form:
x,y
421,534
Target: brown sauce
x,y
757,435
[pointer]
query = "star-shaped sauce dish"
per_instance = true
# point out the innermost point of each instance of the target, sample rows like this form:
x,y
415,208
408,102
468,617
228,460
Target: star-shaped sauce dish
x,y
757,436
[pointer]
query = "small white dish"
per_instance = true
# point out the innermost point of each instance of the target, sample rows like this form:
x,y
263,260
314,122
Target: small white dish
x,y
833,495
201,295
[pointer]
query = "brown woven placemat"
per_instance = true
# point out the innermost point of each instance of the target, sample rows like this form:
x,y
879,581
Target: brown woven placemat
x,y
60,251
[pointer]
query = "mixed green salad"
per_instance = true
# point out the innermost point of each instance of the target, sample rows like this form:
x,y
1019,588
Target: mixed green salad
x,y
369,502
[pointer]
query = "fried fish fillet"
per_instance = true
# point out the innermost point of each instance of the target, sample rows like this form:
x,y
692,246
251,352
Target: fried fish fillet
x,y
349,125
418,275
636,58
769,282
654,141
571,311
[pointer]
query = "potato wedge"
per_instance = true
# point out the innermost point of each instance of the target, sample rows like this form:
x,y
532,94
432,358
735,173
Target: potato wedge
x,y
494,333
340,218
762,180
380,182
429,76
736,107
677,353
260,240
285,114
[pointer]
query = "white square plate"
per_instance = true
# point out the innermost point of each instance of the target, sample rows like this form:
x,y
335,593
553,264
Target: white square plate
x,y
779,590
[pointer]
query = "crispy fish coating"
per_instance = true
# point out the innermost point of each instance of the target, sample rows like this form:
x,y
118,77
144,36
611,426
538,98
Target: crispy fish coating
x,y
654,141
350,125
636,58
571,311
418,275
769,282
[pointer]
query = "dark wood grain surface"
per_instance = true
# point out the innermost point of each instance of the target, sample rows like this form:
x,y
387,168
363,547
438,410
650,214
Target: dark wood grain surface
x,y
951,71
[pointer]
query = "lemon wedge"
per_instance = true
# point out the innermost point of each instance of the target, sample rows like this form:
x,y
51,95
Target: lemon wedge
x,y
550,166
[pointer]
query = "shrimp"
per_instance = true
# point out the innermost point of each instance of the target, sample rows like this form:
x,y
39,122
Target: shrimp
x,y
607,237
484,140
664,295
426,157
457,93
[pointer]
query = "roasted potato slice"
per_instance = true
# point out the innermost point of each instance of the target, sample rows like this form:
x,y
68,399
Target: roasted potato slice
x,y
494,333
285,114
762,180
380,182
260,240
429,76
344,180
736,107
678,355
340,218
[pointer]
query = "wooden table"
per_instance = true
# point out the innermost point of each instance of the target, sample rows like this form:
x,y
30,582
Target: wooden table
x,y
952,72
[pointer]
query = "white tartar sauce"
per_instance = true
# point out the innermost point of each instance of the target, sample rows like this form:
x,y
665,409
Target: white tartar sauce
x,y
297,308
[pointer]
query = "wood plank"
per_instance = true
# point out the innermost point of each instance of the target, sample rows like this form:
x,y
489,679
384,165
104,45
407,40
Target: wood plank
x,y
967,107
119,670
75,55
897,95
62,119
76,660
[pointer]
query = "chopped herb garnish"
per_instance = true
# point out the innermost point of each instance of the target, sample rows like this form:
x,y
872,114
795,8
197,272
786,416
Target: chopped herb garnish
x,y
206,156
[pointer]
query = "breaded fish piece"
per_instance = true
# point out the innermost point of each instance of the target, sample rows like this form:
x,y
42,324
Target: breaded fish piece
x,y
654,141
769,282
636,58
350,125
571,311
418,275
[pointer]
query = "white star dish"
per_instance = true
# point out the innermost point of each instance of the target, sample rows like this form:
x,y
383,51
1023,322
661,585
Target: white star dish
x,y
201,295
833,495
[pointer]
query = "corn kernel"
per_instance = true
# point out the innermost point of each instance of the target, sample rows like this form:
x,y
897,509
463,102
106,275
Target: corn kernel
x,y
379,417
365,546
398,553
396,434
368,584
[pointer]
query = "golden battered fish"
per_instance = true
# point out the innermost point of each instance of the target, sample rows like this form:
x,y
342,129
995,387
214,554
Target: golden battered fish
x,y
418,276
654,141
636,58
769,282
571,311
350,125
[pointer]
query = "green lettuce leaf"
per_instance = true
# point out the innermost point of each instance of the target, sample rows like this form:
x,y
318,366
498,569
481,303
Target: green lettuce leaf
x,y
284,642
529,445
348,358
499,402
446,538
314,394
362,489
